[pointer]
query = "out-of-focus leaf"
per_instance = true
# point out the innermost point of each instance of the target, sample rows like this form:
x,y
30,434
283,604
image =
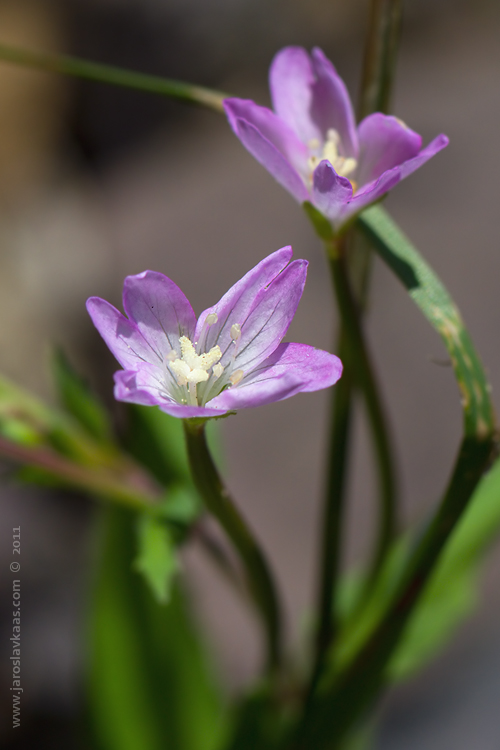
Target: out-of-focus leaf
x,y
157,441
149,685
452,590
181,505
156,559
259,724
78,400
27,420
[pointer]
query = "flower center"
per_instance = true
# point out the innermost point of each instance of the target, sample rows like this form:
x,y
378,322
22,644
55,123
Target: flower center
x,y
191,369
344,166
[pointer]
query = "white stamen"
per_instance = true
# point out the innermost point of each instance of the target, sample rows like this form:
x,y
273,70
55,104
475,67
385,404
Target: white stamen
x,y
235,331
192,367
236,377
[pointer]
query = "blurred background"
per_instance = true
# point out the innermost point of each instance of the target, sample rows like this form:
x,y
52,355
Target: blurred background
x,y
97,183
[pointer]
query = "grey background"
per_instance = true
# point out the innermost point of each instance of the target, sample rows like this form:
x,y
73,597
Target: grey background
x,y
110,183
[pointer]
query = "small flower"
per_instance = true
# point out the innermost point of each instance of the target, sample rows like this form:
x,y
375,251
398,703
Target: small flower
x,y
231,358
311,145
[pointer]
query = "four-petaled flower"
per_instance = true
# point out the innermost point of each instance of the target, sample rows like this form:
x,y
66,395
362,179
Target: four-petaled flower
x,y
231,358
310,143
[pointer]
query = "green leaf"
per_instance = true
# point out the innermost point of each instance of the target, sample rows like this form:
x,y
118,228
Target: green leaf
x,y
431,297
78,400
344,695
149,687
451,593
156,559
260,723
157,441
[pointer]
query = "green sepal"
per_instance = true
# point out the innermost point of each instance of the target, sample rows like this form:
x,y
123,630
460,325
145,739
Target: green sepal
x,y
321,225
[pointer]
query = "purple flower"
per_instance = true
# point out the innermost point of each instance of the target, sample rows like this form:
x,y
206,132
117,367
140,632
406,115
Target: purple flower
x,y
311,145
231,358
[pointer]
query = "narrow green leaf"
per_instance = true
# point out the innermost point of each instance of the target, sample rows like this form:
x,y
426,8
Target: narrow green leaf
x,y
149,687
156,558
431,297
78,400
451,593
346,694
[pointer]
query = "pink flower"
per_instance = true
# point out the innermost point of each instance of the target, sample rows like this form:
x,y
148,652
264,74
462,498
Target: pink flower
x,y
231,358
311,145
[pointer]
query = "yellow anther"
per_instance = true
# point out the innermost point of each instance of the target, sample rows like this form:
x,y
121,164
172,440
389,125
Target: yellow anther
x,y
235,331
236,377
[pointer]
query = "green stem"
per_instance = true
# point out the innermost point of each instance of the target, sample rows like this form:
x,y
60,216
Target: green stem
x,y
334,507
357,371
364,378
381,48
352,693
74,66
219,503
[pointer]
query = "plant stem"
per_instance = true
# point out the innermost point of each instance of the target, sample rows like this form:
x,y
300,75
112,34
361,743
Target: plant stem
x,y
376,88
379,64
352,693
357,371
364,378
334,506
219,503
74,66
107,484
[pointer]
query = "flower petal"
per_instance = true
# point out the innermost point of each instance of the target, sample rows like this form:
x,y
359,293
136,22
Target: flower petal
x,y
291,81
369,194
264,316
270,316
374,191
122,337
159,309
331,107
433,148
330,192
291,369
139,387
311,98
237,303
271,142
384,142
